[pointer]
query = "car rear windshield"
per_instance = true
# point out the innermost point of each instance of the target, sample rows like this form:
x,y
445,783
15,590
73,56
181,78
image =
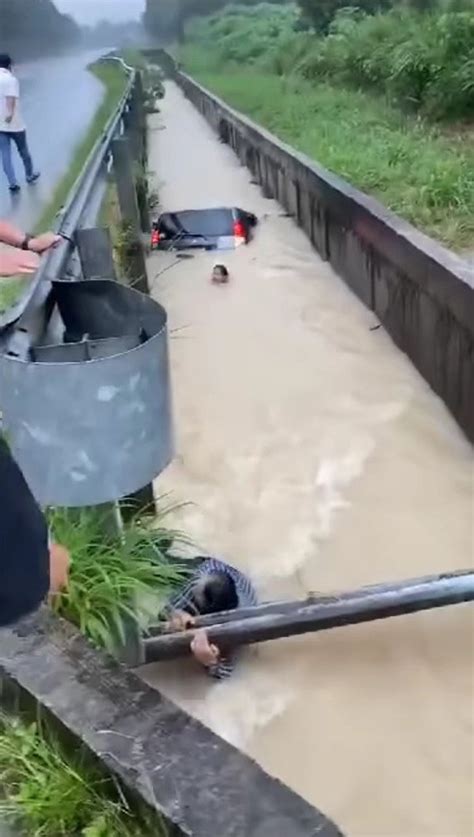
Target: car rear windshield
x,y
208,222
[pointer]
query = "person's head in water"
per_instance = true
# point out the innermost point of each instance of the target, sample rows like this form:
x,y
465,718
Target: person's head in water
x,y
215,592
5,61
220,274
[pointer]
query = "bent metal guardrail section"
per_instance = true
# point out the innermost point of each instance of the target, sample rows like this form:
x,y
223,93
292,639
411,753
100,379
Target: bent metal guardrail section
x,y
62,415
422,293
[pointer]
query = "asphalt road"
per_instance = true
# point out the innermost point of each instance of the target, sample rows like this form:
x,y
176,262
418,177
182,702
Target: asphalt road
x,y
58,98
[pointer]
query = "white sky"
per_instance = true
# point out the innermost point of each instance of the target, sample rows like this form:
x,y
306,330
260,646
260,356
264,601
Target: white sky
x,y
90,11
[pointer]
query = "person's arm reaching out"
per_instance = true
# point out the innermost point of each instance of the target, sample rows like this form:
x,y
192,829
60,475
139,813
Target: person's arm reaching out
x,y
24,259
17,262
9,234
11,107
208,655
11,98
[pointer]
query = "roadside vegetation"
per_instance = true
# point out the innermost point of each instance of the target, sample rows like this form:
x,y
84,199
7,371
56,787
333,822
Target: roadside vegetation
x,y
384,100
50,790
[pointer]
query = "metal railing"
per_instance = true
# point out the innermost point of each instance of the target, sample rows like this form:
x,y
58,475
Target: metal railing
x,y
60,425
22,324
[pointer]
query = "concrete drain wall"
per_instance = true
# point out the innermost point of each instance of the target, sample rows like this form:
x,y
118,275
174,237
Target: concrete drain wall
x,y
200,785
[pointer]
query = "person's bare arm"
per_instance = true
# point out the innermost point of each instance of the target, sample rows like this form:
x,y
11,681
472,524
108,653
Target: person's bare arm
x,y
10,234
11,107
17,262
13,236
179,620
59,563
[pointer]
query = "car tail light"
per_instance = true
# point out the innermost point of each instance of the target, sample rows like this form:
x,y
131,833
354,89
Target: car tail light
x,y
155,238
239,233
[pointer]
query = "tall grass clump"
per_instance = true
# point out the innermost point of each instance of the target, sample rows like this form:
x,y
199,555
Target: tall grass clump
x,y
48,792
115,578
245,35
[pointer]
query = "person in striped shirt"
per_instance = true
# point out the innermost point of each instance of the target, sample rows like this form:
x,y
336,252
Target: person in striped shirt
x,y
213,587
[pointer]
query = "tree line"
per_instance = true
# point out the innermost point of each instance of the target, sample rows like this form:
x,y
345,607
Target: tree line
x,y
165,19
33,27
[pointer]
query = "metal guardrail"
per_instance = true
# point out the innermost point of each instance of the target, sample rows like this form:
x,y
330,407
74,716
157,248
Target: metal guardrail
x,y
84,371
22,323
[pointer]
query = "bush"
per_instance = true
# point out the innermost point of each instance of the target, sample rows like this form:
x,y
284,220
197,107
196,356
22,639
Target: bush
x,y
422,62
243,36
316,94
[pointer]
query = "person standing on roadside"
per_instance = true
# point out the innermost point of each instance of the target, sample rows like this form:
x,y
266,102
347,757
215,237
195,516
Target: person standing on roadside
x,y
12,128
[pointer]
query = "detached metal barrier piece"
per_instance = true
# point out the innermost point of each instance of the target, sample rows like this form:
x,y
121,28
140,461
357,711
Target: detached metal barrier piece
x,y
89,418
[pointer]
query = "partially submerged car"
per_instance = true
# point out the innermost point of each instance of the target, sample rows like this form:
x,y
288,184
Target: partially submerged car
x,y
222,228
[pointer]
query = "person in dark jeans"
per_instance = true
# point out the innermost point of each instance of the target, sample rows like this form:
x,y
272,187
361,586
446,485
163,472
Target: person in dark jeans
x,y
12,127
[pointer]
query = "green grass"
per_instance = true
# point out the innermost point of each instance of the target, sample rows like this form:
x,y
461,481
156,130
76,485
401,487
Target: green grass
x,y
412,167
114,80
115,580
50,792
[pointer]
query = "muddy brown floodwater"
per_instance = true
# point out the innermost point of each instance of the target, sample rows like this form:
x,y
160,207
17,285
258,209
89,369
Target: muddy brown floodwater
x,y
316,458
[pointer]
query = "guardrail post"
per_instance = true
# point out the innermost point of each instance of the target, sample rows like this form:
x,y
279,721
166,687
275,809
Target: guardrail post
x,y
97,261
95,252
127,196
136,128
136,121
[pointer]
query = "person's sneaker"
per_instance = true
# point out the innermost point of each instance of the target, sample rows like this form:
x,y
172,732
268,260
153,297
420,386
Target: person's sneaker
x,y
34,177
14,189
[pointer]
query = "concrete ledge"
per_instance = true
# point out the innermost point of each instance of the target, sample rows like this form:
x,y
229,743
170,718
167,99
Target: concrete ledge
x,y
201,785
422,293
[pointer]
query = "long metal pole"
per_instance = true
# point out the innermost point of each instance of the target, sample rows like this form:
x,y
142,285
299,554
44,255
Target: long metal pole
x,y
363,605
289,606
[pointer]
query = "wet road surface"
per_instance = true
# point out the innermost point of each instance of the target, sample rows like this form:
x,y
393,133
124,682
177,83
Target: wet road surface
x,y
316,458
58,99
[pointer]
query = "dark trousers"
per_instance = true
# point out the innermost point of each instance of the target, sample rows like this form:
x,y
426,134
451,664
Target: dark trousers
x,y
20,140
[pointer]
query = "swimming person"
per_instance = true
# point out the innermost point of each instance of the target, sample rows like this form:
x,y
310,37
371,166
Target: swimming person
x,y
214,586
220,275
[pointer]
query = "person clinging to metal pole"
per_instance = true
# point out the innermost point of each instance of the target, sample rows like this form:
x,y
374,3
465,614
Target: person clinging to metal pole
x,y
214,587
12,127
24,255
